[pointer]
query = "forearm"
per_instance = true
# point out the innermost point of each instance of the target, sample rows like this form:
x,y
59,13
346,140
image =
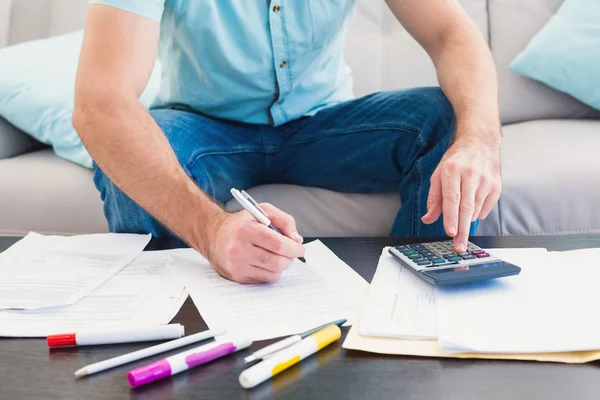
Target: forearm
x,y
133,152
467,75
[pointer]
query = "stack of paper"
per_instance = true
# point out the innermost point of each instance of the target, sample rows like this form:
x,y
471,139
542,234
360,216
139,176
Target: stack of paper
x,y
48,271
88,272
549,307
545,313
400,304
322,290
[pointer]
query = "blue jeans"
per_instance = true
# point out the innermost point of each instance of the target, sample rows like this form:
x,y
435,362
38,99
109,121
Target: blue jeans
x,y
383,142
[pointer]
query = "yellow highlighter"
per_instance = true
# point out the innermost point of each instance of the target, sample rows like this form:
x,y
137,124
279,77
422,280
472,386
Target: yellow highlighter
x,y
281,361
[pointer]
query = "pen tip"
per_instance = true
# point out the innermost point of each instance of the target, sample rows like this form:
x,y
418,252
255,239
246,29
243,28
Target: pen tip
x,y
80,373
249,359
302,259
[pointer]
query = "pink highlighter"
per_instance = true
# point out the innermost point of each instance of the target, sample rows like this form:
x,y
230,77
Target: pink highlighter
x,y
183,361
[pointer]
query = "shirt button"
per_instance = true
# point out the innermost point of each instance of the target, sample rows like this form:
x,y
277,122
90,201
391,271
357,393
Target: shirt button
x,y
275,8
282,64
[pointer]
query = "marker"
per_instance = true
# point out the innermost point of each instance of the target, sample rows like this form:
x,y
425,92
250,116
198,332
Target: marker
x,y
287,342
144,353
90,337
183,361
281,361
256,211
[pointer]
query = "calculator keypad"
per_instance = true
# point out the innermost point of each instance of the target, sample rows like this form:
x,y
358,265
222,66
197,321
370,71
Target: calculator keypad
x,y
440,254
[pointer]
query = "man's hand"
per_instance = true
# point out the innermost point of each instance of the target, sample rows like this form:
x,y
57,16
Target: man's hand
x,y
246,251
464,187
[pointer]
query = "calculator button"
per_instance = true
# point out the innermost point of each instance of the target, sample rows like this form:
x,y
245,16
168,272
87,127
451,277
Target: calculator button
x,y
424,263
438,260
415,256
446,255
453,258
475,252
464,254
482,255
469,257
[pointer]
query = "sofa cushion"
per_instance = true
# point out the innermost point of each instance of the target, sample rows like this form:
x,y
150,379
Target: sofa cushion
x,y
513,23
43,193
14,142
383,56
561,54
550,173
320,212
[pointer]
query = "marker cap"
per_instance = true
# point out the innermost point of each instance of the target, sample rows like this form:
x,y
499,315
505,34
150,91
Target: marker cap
x,y
149,373
63,340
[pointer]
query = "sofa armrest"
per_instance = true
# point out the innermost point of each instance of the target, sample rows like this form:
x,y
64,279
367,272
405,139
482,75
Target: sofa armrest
x,y
13,142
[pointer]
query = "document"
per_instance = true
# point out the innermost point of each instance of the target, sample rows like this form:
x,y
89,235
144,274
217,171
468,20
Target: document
x,y
322,290
430,348
145,292
48,271
550,306
399,304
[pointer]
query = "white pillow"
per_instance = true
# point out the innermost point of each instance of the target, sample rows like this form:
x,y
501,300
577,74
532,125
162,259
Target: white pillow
x,y
37,81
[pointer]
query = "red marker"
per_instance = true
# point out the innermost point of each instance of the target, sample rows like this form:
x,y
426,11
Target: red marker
x,y
90,337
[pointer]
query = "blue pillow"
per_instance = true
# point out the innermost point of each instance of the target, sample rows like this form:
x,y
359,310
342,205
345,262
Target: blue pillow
x,y
37,81
565,54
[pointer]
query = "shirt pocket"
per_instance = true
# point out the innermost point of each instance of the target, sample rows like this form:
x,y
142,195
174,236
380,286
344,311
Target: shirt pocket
x,y
328,18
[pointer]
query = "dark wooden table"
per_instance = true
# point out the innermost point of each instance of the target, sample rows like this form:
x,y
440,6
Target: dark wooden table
x,y
29,371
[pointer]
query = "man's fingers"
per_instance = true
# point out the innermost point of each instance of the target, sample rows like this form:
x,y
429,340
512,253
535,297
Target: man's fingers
x,y
489,203
466,209
262,258
434,201
284,222
268,239
482,193
451,199
260,275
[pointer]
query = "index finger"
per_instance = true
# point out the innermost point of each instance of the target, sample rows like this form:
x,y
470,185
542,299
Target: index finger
x,y
450,202
268,239
285,222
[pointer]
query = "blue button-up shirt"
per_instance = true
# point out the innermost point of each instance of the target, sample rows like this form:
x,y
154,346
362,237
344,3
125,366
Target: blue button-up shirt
x,y
255,61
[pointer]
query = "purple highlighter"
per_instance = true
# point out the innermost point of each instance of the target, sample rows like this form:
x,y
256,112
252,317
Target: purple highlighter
x,y
183,361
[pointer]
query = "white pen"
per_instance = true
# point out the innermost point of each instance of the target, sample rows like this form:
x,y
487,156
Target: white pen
x,y
272,349
256,211
150,351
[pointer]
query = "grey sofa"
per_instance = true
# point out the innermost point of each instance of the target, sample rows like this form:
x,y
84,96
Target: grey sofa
x,y
550,165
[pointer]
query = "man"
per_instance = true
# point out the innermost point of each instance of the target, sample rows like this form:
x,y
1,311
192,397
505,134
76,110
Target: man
x,y
255,92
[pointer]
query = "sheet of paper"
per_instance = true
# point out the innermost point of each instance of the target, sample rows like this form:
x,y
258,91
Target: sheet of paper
x,y
399,304
430,348
550,307
145,292
308,295
48,271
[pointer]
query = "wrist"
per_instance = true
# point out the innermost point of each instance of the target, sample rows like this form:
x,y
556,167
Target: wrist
x,y
205,227
482,131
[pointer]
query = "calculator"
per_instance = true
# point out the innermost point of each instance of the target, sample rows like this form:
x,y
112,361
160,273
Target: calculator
x,y
440,265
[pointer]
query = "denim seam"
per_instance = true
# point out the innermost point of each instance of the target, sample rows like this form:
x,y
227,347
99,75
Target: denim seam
x,y
394,126
200,154
340,133
415,227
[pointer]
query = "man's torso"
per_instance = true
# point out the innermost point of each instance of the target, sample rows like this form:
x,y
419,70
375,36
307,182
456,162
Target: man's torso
x,y
248,60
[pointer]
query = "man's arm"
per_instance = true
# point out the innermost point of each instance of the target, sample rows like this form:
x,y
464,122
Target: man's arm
x,y
117,58
467,183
